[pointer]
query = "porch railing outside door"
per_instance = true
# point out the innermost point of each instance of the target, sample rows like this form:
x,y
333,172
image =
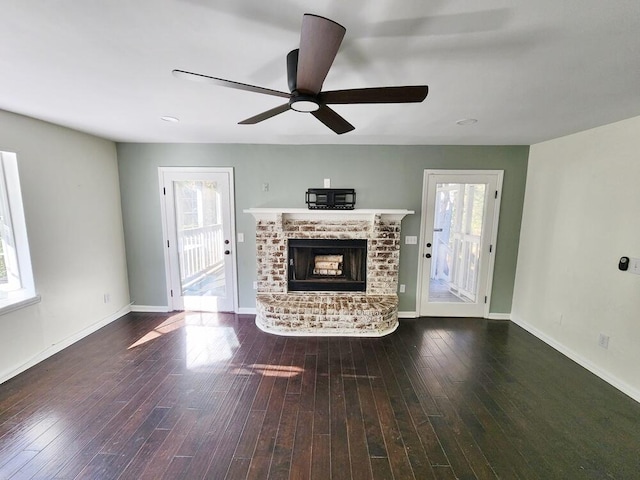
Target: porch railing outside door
x,y
201,251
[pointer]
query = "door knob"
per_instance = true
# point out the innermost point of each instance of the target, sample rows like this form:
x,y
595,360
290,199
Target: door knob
x,y
227,252
428,255
428,245
226,242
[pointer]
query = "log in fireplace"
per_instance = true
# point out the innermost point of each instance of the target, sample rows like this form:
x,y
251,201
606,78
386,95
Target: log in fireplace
x,y
322,265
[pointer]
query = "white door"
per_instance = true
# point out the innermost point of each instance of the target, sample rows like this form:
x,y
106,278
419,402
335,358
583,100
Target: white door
x,y
199,236
459,230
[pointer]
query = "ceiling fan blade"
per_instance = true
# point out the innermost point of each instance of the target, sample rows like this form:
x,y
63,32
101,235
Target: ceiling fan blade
x,y
198,77
265,115
332,120
320,39
292,69
407,94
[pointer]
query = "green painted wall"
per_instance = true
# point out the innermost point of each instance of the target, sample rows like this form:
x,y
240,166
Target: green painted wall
x,y
383,176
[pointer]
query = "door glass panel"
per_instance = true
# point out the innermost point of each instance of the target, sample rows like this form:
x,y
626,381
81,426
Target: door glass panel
x,y
200,238
457,234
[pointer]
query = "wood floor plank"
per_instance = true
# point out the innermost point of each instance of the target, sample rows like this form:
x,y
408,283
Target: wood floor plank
x,y
168,450
356,434
455,455
297,365
419,403
249,437
16,462
144,409
491,438
339,445
321,420
380,468
222,458
321,457
264,451
418,458
308,383
472,452
210,440
395,446
142,458
177,468
370,416
238,469
283,448
130,448
301,456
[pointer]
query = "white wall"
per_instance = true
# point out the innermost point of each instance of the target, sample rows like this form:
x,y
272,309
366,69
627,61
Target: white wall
x,y
74,223
581,214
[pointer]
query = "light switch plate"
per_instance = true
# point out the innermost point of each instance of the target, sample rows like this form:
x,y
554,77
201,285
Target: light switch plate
x,y
411,240
634,265
327,183
240,237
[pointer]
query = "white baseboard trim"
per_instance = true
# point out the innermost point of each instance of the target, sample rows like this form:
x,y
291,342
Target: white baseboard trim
x,y
408,315
150,308
246,310
165,309
62,344
625,388
499,316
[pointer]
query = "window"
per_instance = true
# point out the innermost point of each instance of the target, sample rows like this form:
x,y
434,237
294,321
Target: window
x,y
16,277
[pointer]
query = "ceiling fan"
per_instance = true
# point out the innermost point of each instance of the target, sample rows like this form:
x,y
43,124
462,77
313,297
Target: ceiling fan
x,y
307,67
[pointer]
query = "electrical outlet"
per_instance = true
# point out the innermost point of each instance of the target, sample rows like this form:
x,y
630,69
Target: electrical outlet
x,y
327,183
240,237
106,297
402,288
265,187
255,285
603,340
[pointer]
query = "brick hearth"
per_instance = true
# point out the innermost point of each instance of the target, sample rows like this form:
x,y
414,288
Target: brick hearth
x,y
373,313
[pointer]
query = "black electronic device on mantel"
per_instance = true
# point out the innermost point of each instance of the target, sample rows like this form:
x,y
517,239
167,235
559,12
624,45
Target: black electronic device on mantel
x,y
331,198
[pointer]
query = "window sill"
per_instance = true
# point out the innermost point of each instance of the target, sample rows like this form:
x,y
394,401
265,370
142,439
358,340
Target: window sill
x,y
17,300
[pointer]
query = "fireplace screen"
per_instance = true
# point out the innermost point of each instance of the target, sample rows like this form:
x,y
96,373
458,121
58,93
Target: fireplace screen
x,y
327,265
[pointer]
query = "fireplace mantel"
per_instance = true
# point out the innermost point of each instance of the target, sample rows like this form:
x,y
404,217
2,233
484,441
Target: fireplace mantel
x,y
270,214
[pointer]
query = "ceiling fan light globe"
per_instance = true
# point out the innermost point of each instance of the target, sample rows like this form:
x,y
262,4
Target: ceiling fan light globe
x,y
304,106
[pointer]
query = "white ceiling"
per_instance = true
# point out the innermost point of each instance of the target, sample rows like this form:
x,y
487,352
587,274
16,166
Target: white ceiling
x,y
528,71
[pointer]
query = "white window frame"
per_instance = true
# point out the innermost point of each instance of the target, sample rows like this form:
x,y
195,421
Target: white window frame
x,y
19,291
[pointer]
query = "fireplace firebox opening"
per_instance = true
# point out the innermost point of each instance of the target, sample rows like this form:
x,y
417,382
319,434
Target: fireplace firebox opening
x,y
332,265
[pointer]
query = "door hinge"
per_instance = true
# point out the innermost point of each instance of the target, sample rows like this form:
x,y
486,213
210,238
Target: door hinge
x,y
490,248
168,244
485,299
172,294
496,196
164,191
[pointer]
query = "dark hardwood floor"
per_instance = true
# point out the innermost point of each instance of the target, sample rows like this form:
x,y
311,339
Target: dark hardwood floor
x,y
190,396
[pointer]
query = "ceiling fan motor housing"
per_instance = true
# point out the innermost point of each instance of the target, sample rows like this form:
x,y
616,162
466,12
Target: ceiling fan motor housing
x,y
301,102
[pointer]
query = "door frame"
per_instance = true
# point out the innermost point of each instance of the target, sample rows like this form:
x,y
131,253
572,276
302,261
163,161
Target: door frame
x,y
171,303
494,231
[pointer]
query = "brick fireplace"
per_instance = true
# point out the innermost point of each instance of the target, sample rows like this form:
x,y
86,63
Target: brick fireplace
x,y
297,299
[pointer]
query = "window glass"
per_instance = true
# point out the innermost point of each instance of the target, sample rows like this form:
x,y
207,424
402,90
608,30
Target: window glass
x,y
16,277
